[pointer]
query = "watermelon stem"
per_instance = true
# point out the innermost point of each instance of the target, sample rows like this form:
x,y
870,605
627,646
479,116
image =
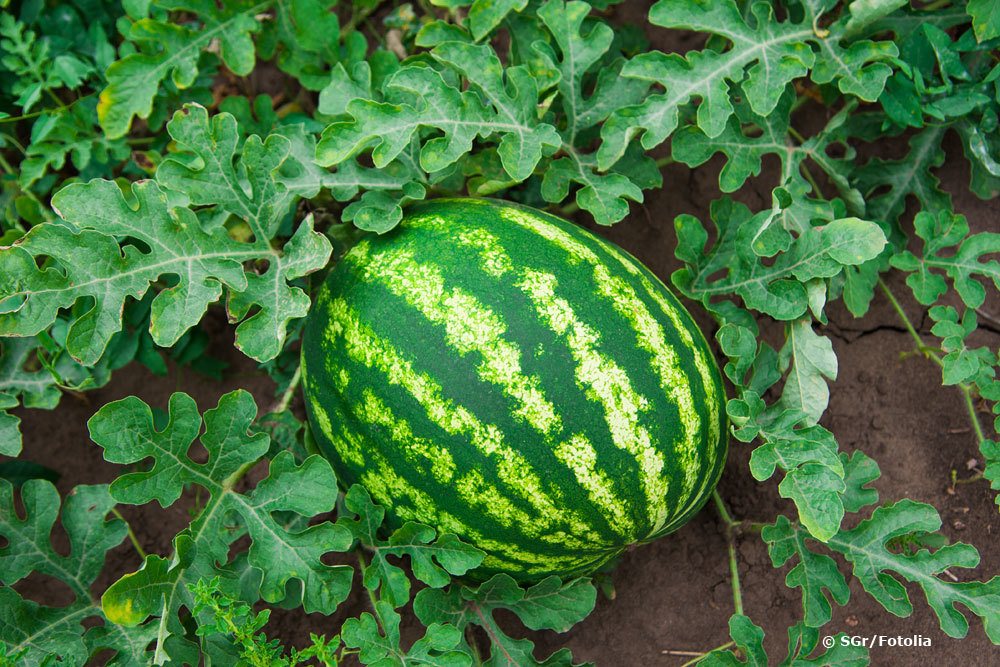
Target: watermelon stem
x,y
470,639
734,572
360,552
293,385
489,625
131,533
569,209
735,578
698,656
968,390
724,514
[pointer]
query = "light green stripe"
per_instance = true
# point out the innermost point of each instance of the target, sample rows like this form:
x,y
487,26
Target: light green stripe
x,y
374,411
708,377
572,452
514,471
708,381
470,328
346,446
389,489
542,563
651,337
494,259
578,252
579,455
534,561
504,557
666,363
474,491
606,383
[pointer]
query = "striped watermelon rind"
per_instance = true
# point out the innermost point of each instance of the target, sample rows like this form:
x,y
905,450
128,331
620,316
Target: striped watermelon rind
x,y
502,374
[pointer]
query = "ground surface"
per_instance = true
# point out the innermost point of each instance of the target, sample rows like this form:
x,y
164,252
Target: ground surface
x,y
673,595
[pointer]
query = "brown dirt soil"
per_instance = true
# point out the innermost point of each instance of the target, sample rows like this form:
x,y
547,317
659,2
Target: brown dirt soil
x,y
673,595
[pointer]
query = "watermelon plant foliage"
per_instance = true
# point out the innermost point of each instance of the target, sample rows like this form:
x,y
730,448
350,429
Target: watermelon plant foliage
x,y
150,176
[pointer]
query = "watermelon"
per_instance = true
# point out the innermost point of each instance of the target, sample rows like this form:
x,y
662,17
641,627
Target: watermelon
x,y
504,375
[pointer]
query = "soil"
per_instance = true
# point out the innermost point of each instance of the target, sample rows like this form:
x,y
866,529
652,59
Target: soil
x,y
672,596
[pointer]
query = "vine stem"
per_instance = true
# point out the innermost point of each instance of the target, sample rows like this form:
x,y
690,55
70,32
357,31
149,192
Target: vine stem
x,y
724,514
360,551
569,209
812,179
699,656
470,639
131,533
35,114
357,17
928,352
293,385
796,135
734,572
6,165
27,192
968,480
13,140
973,417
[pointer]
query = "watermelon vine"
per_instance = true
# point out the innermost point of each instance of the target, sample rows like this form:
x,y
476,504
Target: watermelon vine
x,y
165,160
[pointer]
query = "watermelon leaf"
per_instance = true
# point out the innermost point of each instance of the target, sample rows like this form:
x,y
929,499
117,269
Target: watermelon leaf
x,y
174,242
10,426
204,169
37,633
990,450
815,574
866,548
985,19
812,363
748,137
420,97
484,15
963,264
384,191
548,605
882,550
278,554
899,179
814,474
433,561
859,471
438,646
960,363
791,440
604,195
32,388
802,642
171,49
69,133
511,99
300,36
778,288
765,56
408,116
